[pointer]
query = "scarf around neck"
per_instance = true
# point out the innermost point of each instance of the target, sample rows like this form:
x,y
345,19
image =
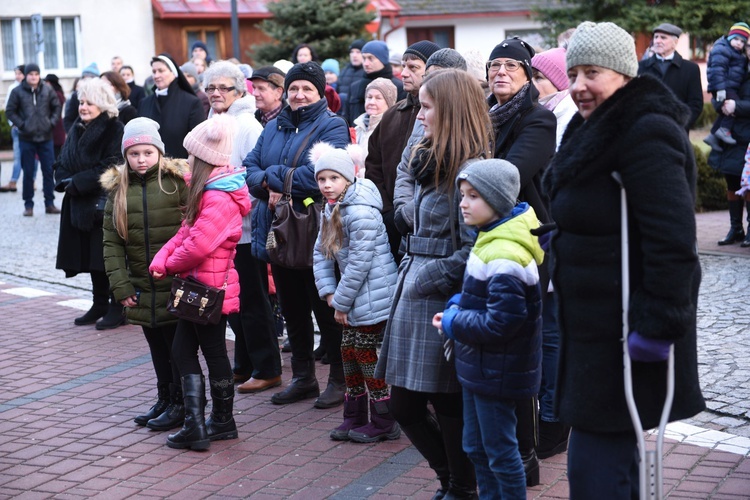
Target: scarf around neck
x,y
501,113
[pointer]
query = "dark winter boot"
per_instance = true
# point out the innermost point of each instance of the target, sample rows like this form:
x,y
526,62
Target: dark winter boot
x,y
115,316
98,309
193,434
553,439
162,402
736,233
382,425
746,242
426,438
355,415
526,433
334,393
463,480
220,424
173,415
304,385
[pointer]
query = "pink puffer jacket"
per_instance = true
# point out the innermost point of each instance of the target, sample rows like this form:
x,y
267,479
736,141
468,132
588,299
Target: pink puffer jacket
x,y
206,249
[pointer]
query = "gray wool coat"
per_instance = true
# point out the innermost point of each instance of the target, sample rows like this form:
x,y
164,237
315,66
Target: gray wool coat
x,y
368,271
412,352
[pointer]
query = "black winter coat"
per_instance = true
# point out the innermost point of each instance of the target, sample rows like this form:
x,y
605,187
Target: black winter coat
x,y
137,94
732,159
177,113
356,101
35,112
726,68
681,77
347,77
528,141
88,151
637,132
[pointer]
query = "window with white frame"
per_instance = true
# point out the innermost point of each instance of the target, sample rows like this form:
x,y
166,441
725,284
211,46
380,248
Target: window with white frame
x,y
61,44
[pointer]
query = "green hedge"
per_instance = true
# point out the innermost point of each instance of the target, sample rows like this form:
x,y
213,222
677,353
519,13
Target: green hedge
x,y
707,117
6,141
712,188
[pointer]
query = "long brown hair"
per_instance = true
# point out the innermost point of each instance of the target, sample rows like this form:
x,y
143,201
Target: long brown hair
x,y
461,125
332,230
120,196
200,173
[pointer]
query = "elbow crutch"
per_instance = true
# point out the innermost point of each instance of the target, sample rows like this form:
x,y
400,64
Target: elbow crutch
x,y
650,463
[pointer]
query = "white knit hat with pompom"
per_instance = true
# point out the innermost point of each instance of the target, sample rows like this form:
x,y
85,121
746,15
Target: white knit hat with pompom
x,y
212,140
344,161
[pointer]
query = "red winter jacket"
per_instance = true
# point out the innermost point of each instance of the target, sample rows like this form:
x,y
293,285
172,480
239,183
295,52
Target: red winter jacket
x,y
205,250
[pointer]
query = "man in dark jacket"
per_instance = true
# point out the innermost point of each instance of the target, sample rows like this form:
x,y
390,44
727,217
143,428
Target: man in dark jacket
x,y
376,65
268,90
34,108
388,140
350,74
681,76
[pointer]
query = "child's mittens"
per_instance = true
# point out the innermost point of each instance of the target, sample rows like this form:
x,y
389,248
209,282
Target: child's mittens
x,y
721,95
647,350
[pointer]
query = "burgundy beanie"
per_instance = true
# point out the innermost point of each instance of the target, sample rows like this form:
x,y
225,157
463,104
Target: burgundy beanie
x,y
551,64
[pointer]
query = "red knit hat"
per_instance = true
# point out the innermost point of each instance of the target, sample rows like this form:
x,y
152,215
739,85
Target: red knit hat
x,y
551,64
739,29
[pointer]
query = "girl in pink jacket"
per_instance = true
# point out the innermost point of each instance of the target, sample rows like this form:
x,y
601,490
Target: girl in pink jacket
x,y
204,248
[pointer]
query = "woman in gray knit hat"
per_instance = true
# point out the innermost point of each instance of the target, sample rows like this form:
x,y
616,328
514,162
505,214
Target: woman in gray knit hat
x,y
633,126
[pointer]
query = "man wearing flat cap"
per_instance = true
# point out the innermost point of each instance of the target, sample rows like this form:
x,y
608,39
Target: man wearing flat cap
x,y
681,76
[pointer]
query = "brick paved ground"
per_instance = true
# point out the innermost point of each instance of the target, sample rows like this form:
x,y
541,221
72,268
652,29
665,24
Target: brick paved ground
x,y
70,394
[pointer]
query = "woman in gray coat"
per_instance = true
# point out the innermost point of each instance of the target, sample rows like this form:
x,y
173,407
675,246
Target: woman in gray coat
x,y
457,130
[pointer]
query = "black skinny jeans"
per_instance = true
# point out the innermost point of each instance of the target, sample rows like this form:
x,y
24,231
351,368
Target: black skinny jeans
x,y
160,340
299,298
256,348
409,407
212,342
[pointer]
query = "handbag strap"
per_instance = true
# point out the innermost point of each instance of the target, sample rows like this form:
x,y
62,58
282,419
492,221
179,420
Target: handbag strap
x,y
293,166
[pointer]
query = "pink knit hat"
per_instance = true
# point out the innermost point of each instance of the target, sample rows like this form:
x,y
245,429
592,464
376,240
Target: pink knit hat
x,y
212,140
551,64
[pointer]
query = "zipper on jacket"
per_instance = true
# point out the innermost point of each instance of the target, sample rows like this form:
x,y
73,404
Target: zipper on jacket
x,y
148,250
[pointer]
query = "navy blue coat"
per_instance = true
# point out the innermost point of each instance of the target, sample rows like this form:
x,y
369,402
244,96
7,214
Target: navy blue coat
x,y
732,159
726,67
274,153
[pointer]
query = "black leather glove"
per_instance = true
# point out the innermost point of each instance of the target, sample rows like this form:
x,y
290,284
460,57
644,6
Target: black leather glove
x,y
62,186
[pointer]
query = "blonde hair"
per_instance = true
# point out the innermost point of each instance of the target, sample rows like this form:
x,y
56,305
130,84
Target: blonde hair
x,y
461,128
100,94
332,229
120,195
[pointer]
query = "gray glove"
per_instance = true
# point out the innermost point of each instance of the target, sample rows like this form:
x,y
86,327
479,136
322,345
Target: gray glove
x,y
721,95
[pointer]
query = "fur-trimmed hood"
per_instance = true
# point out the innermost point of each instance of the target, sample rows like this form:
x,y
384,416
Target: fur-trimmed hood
x,y
610,123
174,166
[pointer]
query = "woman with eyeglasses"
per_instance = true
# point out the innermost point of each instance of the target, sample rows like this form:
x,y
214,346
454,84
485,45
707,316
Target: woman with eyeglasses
x,y
173,105
524,135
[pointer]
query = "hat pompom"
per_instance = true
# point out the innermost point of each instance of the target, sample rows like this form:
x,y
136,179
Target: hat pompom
x,y
357,154
318,150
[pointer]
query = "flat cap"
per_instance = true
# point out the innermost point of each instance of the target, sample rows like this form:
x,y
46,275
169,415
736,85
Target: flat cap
x,y
669,29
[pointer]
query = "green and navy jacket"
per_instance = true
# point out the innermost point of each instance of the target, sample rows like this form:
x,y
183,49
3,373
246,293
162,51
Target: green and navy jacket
x,y
496,320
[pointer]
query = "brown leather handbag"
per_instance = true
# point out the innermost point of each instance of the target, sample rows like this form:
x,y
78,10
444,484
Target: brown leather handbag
x,y
195,301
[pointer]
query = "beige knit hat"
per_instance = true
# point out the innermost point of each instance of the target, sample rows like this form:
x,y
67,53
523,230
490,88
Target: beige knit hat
x,y
385,87
212,140
602,44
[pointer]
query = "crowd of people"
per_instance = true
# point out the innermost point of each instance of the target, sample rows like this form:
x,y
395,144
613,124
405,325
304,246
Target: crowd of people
x,y
466,275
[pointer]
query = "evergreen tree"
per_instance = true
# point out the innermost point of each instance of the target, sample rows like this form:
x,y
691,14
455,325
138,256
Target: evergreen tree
x,y
329,26
704,20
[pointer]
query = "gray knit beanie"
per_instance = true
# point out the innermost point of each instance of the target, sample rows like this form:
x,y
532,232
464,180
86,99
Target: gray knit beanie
x,y
446,58
385,87
326,157
602,44
497,181
142,130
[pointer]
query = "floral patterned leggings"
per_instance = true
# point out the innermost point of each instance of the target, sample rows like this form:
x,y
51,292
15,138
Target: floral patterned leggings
x,y
359,354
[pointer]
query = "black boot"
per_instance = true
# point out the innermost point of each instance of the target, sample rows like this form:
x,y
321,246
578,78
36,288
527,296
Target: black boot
x,y
115,316
304,385
736,233
526,433
173,415
220,424
162,402
193,434
463,480
98,309
553,439
746,242
426,438
333,395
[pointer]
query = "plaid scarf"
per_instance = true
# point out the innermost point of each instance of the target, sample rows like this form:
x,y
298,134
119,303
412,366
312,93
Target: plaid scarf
x,y
267,117
501,113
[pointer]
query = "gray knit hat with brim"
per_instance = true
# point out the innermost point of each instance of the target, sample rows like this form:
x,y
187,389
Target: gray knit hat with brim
x,y
446,58
141,131
602,44
497,182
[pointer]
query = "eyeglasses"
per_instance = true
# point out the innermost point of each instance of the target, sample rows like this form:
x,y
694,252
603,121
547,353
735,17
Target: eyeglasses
x,y
510,66
222,90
